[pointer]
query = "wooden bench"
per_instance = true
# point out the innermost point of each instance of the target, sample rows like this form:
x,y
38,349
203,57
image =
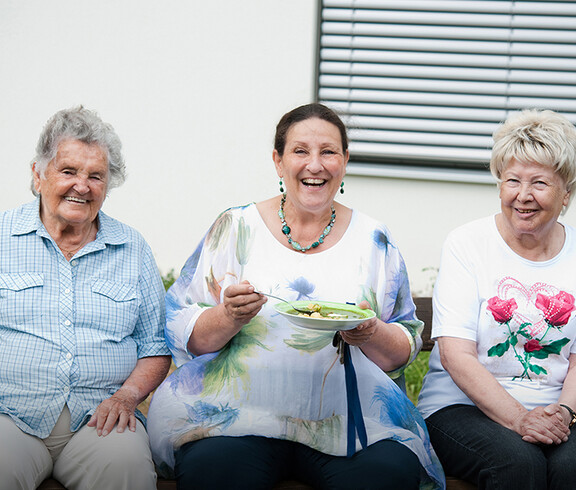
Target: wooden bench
x,y
424,312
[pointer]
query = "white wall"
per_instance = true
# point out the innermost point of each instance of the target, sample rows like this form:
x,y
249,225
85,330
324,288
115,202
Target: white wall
x,y
194,89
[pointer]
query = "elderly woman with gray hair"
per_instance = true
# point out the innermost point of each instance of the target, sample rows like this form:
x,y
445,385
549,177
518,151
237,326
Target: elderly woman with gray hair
x,y
500,397
81,321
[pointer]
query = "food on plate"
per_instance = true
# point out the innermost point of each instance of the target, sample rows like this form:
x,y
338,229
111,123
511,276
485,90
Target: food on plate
x,y
316,312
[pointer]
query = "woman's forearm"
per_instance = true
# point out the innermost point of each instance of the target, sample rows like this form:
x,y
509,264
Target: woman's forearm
x,y
459,358
389,347
212,331
568,395
147,375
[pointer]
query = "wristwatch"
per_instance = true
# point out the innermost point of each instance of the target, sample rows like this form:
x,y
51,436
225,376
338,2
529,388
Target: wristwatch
x,y
572,414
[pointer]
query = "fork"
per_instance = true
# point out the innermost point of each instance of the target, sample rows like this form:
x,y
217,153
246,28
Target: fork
x,y
299,310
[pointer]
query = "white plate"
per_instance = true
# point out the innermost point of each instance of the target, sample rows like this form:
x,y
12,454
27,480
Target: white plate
x,y
355,315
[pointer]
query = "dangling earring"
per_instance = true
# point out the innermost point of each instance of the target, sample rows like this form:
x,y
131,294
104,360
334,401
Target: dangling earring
x,y
281,187
342,187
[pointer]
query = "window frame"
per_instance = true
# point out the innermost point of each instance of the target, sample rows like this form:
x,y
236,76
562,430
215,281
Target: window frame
x,y
414,166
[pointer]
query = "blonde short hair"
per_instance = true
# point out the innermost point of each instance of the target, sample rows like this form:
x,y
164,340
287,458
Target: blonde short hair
x,y
536,136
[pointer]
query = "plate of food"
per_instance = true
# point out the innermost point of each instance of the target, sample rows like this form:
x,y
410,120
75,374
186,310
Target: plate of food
x,y
324,315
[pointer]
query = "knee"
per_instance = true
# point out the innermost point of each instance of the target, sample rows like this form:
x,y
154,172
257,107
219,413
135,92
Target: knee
x,y
126,458
119,461
21,471
24,460
561,467
523,469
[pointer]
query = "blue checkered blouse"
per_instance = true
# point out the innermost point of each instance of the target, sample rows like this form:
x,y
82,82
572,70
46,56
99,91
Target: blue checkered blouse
x,y
72,332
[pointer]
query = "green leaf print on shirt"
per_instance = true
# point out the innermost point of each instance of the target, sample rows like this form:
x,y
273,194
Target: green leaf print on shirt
x,y
219,231
369,295
321,435
229,367
309,340
243,243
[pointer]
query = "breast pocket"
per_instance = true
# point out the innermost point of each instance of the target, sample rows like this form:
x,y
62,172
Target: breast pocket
x,y
118,305
21,300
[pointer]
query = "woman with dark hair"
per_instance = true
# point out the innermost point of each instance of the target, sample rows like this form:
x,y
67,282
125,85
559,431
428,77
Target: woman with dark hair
x,y
257,399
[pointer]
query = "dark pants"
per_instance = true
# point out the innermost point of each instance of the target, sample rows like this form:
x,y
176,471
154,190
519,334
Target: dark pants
x,y
254,463
473,447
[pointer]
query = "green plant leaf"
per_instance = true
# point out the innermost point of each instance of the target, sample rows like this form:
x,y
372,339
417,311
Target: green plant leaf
x,y
168,279
414,375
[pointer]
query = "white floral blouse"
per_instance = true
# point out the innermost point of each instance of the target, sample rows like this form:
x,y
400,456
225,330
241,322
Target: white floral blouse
x,y
275,379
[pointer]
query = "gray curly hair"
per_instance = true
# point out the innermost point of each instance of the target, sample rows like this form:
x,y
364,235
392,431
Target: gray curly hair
x,y
82,125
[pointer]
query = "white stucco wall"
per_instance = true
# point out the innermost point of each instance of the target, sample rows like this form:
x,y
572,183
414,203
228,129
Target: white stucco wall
x,y
194,89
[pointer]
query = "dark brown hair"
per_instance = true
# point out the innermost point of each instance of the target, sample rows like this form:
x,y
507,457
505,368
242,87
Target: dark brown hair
x,y
303,113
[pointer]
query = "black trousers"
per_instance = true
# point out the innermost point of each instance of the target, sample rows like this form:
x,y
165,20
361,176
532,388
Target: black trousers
x,y
473,447
254,463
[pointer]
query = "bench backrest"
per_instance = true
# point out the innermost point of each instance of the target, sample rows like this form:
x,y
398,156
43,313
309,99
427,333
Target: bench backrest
x,y
424,313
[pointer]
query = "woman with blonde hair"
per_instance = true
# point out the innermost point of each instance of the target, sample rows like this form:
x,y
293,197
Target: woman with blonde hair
x,y
500,396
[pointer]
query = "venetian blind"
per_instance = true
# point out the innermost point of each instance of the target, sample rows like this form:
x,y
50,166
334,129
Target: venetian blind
x,y
427,82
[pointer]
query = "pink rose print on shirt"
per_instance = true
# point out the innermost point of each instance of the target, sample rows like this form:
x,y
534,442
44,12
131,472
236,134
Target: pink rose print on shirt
x,y
502,309
556,310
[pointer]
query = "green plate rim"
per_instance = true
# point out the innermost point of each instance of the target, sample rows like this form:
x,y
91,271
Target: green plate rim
x,y
366,314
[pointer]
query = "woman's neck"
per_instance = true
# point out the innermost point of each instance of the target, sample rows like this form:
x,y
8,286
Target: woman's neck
x,y
535,247
305,227
70,239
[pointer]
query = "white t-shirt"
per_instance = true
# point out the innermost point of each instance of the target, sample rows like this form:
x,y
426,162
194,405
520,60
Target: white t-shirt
x,y
520,313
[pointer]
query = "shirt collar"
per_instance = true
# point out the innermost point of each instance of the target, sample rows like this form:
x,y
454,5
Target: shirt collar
x,y
110,231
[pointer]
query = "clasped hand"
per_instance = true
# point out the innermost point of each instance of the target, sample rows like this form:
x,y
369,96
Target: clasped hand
x,y
544,425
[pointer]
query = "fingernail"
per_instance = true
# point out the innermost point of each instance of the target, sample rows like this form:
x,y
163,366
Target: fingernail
x,y
105,433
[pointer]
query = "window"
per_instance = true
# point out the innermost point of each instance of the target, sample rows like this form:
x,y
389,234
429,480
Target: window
x,y
422,85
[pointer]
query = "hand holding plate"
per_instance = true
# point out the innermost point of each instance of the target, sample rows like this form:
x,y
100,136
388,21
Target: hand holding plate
x,y
363,332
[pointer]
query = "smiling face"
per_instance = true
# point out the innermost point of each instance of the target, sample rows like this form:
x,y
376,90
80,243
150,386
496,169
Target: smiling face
x,y
532,197
73,186
313,164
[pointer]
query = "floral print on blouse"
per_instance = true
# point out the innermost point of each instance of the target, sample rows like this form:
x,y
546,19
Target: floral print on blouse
x,y
275,379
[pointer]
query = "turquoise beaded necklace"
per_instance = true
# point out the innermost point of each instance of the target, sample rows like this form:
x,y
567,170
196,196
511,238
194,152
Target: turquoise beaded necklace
x,y
286,229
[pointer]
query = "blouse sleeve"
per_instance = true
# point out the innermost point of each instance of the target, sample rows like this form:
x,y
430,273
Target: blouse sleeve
x,y
206,274
151,315
394,297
